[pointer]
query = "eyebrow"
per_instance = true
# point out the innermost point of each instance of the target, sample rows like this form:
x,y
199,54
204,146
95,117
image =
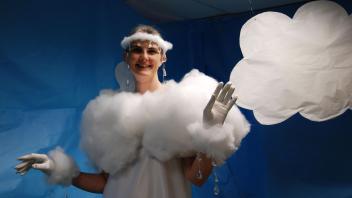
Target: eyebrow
x,y
153,47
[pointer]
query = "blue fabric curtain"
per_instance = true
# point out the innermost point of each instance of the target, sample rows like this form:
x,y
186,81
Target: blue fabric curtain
x,y
56,55
296,158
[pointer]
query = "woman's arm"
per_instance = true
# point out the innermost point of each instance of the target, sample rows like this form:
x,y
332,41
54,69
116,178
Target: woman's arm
x,y
214,113
192,165
65,172
94,183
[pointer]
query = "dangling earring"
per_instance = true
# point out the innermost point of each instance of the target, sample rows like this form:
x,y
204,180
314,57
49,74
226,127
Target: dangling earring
x,y
128,81
164,72
216,189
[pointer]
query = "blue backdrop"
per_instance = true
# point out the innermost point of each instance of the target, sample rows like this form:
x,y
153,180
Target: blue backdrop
x,y
56,55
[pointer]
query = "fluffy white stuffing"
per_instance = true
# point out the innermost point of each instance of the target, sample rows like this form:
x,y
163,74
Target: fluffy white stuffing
x,y
65,168
177,106
217,141
240,125
116,126
111,130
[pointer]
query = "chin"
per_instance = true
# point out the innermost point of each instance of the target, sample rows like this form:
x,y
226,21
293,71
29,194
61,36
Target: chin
x,y
143,77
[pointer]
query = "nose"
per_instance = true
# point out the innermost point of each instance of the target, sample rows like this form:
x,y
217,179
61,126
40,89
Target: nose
x,y
144,55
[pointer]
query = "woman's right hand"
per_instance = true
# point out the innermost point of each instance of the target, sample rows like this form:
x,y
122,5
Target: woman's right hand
x,y
219,105
41,162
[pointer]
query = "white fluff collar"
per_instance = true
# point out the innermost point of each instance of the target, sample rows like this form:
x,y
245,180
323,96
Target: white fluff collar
x,y
167,123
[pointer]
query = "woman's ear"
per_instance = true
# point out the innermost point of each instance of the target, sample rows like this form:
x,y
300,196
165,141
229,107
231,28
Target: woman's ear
x,y
163,59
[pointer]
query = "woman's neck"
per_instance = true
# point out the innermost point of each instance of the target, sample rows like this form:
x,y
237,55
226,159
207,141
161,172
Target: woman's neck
x,y
142,87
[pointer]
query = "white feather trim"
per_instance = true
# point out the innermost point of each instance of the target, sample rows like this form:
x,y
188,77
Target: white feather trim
x,y
65,168
165,45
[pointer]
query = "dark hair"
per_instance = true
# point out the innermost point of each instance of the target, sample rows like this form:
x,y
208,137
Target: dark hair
x,y
146,29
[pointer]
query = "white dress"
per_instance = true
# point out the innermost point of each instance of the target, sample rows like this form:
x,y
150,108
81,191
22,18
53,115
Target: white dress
x,y
148,177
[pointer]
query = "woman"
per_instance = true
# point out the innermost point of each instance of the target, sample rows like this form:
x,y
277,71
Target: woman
x,y
152,170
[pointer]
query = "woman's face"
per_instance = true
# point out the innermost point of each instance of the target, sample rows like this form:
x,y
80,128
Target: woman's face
x,y
144,59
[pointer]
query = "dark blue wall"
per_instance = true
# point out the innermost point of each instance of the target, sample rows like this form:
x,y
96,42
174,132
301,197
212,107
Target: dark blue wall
x,y
56,55
296,158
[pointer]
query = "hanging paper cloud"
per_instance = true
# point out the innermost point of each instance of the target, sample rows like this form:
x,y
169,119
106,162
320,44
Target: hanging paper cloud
x,y
300,65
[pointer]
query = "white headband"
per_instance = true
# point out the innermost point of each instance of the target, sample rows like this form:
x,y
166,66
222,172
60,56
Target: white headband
x,y
165,45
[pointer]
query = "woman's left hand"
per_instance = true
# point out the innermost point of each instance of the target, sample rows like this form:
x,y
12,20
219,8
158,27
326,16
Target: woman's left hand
x,y
219,105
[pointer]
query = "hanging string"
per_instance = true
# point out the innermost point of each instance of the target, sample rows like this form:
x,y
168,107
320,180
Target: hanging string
x,y
251,6
216,189
199,174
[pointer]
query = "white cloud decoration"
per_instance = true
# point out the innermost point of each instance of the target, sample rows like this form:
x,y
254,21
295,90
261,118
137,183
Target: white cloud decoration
x,y
300,65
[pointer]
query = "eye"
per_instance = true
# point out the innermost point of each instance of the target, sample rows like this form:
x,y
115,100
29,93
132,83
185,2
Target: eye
x,y
136,50
153,51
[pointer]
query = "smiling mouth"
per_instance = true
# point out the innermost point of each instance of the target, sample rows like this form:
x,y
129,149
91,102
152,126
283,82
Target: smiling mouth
x,y
143,66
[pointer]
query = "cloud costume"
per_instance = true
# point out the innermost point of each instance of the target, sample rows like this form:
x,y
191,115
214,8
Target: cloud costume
x,y
141,139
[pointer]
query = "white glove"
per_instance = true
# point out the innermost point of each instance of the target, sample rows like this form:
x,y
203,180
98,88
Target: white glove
x,y
219,105
213,137
59,167
37,161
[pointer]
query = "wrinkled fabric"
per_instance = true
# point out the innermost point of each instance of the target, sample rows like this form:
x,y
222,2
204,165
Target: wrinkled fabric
x,y
149,177
300,65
